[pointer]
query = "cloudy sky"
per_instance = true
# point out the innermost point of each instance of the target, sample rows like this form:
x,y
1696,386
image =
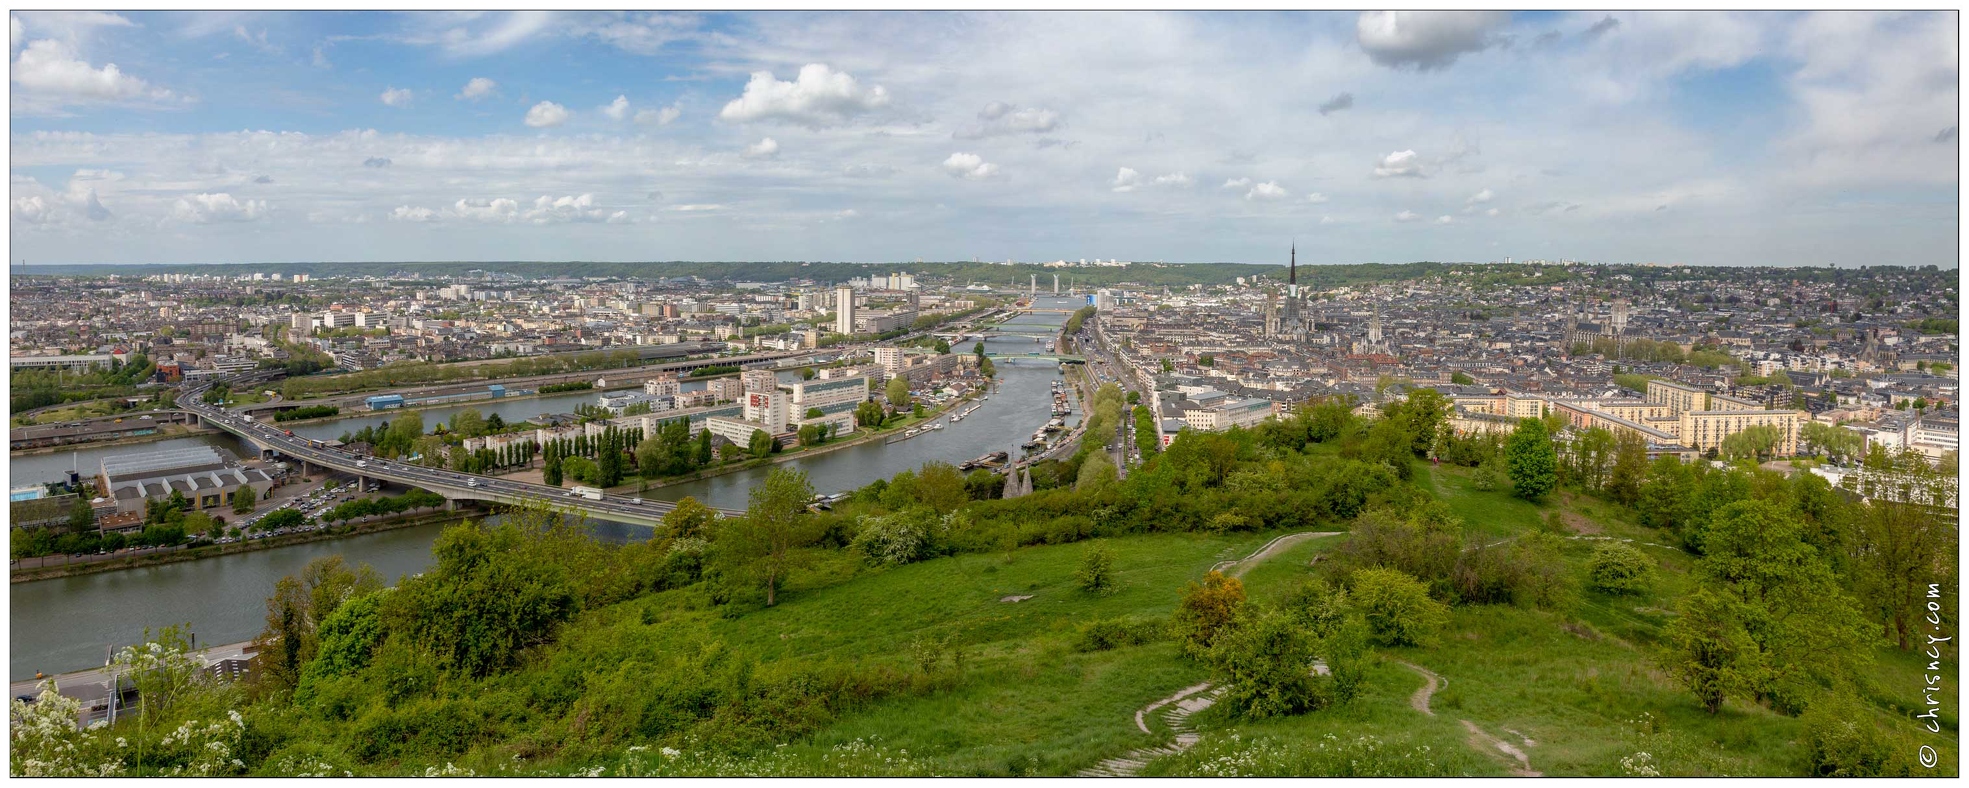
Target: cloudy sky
x,y
1757,138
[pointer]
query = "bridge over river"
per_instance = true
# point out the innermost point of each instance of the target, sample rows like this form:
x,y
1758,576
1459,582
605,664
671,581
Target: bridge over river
x,y
454,486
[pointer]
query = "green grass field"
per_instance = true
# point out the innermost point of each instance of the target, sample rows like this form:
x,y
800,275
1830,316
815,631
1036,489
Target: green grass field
x,y
1577,691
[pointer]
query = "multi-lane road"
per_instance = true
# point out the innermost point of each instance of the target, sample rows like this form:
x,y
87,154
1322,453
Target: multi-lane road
x,y
450,484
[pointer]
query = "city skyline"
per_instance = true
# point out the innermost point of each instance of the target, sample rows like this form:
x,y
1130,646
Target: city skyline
x,y
1705,139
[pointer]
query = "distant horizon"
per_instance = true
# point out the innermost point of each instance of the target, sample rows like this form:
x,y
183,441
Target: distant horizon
x,y
1711,139
16,268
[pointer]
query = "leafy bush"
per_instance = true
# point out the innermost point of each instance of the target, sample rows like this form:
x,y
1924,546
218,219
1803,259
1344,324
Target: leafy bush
x,y
899,538
1264,660
1618,568
1205,610
1529,571
492,593
1397,607
1096,573
1842,740
1109,633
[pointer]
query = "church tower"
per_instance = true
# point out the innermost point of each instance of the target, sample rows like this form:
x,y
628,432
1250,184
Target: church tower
x,y
1290,324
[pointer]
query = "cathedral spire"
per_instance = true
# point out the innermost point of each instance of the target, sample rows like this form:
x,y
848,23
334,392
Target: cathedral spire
x,y
1292,273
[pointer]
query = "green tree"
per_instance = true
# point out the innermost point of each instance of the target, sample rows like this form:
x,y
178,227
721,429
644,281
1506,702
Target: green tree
x,y
242,500
1531,460
1097,472
1751,443
81,516
294,613
1205,610
1397,606
690,520
1708,650
898,392
940,486
1834,443
760,445
468,423
1096,574
1461,379
494,592
1807,632
1630,468
763,540
1618,568
1264,659
1895,551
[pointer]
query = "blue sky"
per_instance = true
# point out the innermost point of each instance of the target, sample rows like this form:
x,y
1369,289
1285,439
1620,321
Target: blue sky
x,y
1705,138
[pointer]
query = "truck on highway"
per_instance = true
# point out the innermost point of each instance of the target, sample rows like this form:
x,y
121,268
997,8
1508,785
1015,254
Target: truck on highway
x,y
590,493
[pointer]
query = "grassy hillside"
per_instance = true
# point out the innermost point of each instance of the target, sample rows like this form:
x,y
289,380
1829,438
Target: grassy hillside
x,y
926,627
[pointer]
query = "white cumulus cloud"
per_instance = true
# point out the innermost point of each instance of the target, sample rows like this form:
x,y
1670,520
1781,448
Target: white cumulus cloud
x,y
495,210
1407,216
970,166
617,109
763,149
1444,219
546,114
659,117
1126,180
51,75
219,207
478,88
1400,164
1316,198
1175,179
999,118
1236,183
1480,197
405,213
819,96
1425,39
396,97
1269,190
560,210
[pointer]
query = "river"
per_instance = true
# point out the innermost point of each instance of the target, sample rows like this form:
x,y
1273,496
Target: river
x,y
66,624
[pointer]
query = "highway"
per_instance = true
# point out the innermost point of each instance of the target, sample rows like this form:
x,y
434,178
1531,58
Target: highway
x,y
450,484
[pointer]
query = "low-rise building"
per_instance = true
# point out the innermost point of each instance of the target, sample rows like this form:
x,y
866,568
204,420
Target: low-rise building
x,y
207,476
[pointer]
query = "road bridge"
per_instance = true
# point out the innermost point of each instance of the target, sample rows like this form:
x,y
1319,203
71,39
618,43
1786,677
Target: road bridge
x,y
1050,358
454,486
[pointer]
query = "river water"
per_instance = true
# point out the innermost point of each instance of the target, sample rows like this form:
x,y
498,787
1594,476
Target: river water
x,y
67,623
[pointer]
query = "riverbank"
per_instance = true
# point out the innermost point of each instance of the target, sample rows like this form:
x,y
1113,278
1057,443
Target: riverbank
x,y
814,451
15,575
175,431
801,453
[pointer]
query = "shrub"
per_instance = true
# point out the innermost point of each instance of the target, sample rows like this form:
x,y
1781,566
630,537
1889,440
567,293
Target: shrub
x,y
1619,569
1096,573
1841,740
1397,607
1489,474
1528,571
1426,544
896,539
1341,634
1264,660
1205,610
1109,633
